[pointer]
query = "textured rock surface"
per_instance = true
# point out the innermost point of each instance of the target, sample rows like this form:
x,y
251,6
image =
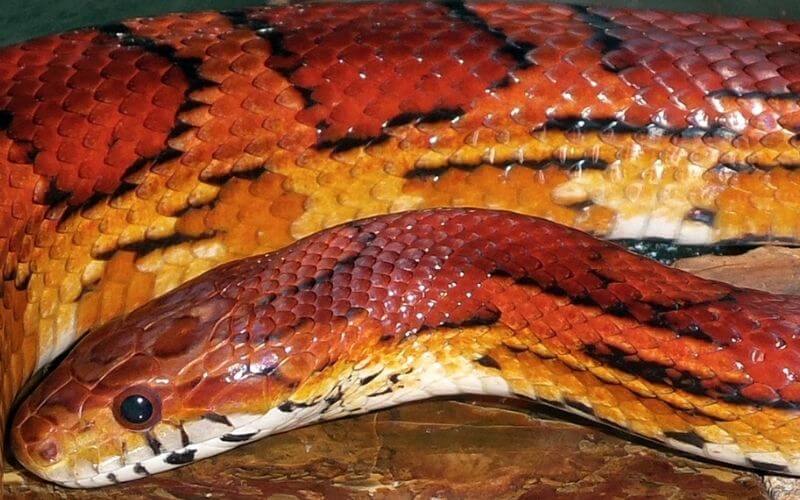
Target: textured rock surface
x,y
466,448
774,269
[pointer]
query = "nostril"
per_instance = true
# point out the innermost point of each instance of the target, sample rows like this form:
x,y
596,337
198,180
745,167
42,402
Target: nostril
x,y
48,451
34,435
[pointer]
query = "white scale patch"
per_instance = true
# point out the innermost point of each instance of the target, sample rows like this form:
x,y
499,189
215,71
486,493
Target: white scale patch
x,y
649,226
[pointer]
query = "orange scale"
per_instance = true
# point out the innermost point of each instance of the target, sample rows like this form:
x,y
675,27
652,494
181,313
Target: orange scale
x,y
121,155
132,371
678,349
760,392
790,392
109,91
72,126
247,64
725,365
326,93
321,56
229,151
144,82
157,120
89,169
297,367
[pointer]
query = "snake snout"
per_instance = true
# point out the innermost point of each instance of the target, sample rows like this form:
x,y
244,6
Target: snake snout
x,y
36,444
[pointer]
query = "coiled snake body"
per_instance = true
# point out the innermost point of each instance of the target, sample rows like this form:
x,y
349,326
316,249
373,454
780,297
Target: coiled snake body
x,y
136,157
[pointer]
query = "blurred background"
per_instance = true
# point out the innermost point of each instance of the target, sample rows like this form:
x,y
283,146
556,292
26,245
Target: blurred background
x,y
23,19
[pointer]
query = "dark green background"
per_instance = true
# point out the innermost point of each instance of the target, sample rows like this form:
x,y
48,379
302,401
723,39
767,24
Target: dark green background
x,y
22,19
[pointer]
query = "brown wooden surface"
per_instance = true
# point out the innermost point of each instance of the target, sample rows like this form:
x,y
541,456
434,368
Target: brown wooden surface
x,y
463,449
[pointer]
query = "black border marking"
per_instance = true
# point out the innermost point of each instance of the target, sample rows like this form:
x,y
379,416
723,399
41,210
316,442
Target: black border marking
x,y
517,50
579,124
6,118
250,175
755,94
666,375
240,19
290,406
577,405
577,163
54,194
145,247
437,115
766,466
601,25
658,313
349,142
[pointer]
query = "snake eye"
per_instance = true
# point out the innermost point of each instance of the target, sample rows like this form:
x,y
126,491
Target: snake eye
x,y
137,408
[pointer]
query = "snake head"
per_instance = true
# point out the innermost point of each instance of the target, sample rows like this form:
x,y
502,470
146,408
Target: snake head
x,y
147,392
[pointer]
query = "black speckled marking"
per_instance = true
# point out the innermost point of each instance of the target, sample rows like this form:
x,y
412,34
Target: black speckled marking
x,y
153,443
690,438
180,458
139,469
701,215
184,437
488,362
217,418
237,438
290,406
369,378
380,393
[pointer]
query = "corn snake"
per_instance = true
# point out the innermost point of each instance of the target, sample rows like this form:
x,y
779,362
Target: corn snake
x,y
149,152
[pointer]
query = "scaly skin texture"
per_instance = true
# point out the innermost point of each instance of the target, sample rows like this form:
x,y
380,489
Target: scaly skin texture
x,y
134,157
405,306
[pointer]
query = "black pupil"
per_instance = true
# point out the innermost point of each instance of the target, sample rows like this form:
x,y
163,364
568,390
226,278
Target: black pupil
x,y
136,409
